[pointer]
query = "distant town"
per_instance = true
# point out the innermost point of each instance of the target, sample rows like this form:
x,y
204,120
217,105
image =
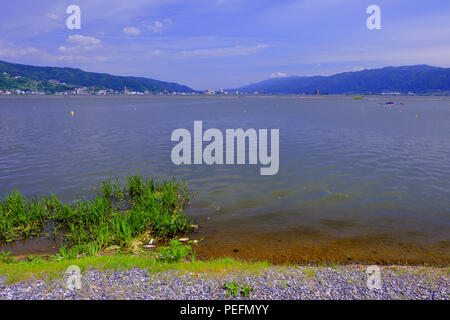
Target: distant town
x,y
18,79
92,91
95,91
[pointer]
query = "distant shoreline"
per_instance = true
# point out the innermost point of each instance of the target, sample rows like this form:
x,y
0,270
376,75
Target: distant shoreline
x,y
189,96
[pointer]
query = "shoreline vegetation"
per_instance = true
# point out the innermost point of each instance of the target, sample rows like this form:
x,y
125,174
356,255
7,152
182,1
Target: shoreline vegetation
x,y
116,219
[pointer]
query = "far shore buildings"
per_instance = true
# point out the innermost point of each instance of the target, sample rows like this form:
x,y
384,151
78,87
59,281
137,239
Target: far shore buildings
x,y
20,92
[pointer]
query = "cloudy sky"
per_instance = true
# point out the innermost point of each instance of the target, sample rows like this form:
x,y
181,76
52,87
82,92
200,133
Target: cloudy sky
x,y
211,44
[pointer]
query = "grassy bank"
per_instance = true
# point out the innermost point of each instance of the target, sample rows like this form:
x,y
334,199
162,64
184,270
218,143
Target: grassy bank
x,y
131,277
44,269
119,217
50,269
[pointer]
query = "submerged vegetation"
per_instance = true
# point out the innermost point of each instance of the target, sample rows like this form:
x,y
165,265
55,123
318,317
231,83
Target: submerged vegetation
x,y
118,217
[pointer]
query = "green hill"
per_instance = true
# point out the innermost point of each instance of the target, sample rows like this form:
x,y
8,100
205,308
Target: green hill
x,y
9,83
419,79
39,77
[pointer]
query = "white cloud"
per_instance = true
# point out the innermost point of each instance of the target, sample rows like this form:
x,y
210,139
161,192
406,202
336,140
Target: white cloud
x,y
359,68
84,59
221,52
52,16
131,30
83,40
278,75
10,51
157,26
80,43
17,52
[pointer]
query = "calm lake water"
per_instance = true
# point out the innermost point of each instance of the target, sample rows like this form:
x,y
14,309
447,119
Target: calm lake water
x,y
358,180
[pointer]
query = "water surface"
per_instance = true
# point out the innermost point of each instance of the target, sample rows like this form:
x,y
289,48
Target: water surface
x,y
358,180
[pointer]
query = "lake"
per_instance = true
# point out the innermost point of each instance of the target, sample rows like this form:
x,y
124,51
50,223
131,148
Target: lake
x,y
358,181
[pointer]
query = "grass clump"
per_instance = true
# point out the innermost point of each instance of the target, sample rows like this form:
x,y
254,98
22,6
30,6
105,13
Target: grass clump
x,y
175,252
245,292
115,216
21,217
6,257
310,272
233,289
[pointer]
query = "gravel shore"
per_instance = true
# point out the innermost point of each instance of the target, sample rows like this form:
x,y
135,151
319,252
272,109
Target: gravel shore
x,y
341,282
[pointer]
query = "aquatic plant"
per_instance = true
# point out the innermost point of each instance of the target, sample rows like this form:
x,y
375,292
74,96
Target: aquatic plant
x,y
21,217
114,216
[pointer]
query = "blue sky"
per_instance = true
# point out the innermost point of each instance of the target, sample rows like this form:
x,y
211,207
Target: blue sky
x,y
211,44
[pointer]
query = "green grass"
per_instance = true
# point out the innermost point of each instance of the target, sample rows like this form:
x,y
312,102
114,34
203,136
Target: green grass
x,y
310,272
51,269
21,217
245,292
234,288
175,252
115,216
38,268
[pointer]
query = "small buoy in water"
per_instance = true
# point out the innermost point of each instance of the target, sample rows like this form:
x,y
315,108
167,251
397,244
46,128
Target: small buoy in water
x,y
417,115
71,113
244,111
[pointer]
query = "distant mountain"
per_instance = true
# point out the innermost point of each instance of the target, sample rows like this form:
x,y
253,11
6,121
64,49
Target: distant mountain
x,y
59,79
418,79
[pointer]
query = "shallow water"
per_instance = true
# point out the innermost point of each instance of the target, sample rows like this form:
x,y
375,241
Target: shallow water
x,y
358,180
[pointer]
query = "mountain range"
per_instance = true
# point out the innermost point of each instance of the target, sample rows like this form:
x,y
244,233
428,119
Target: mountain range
x,y
55,79
418,79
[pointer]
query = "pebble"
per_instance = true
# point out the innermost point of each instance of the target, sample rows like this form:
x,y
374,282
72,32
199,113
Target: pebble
x,y
342,282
